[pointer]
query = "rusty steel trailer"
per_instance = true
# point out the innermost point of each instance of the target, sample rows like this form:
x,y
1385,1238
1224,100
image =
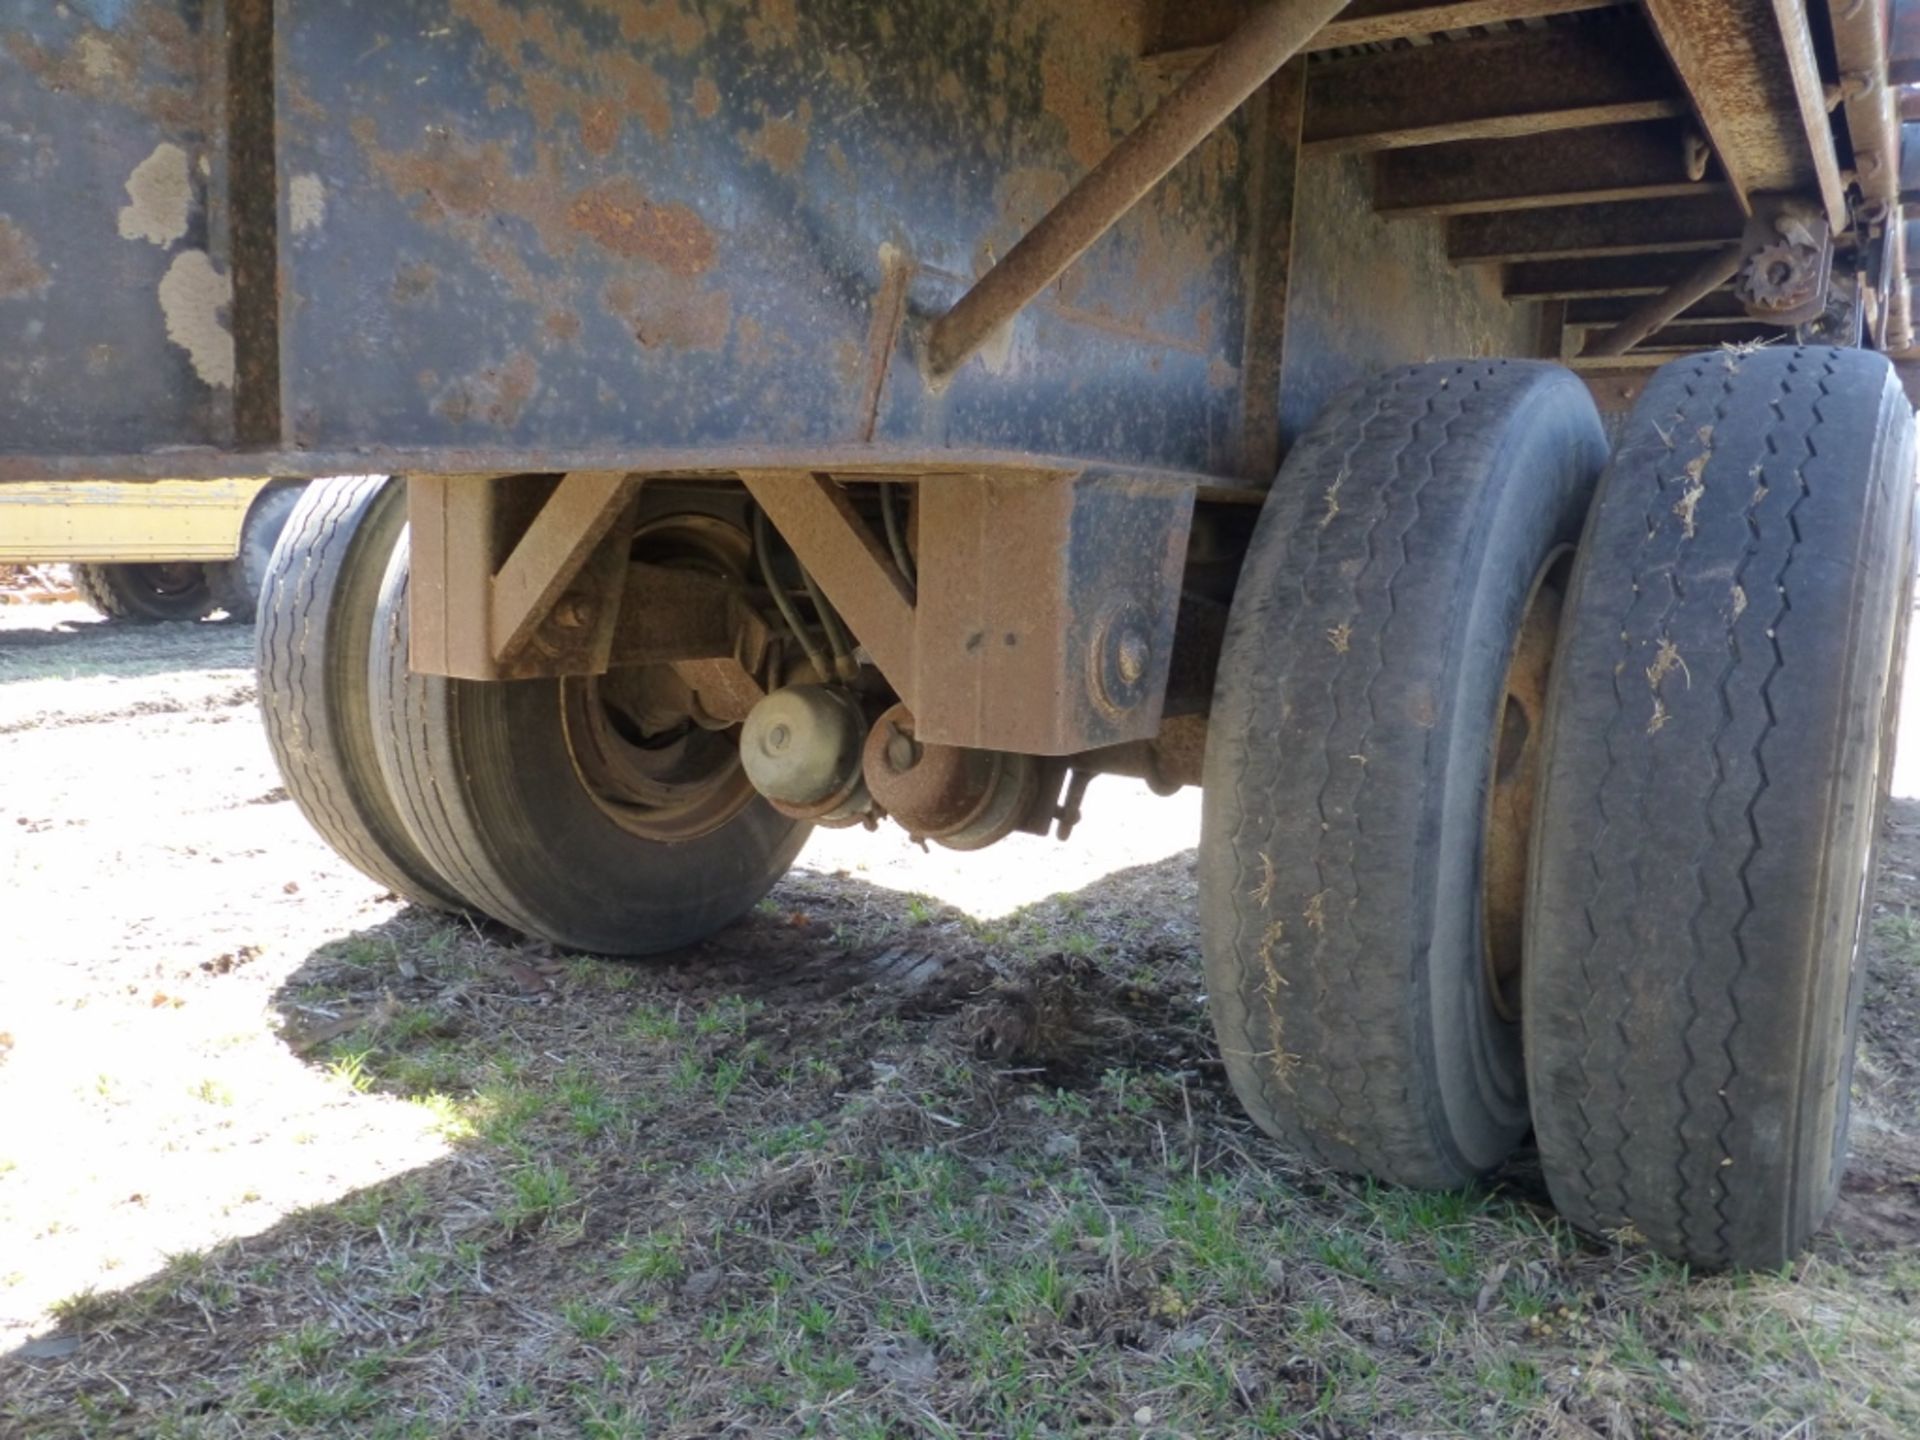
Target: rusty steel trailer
x,y
832,412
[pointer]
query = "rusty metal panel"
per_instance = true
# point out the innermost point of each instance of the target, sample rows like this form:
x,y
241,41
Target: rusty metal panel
x,y
584,507
114,266
1366,292
453,522
1046,616
692,225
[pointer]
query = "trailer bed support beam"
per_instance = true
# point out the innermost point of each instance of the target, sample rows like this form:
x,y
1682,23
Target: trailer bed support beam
x,y
1749,66
1604,73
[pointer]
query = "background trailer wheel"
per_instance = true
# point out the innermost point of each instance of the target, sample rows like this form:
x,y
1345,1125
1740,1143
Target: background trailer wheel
x,y
1374,732
315,640
594,812
238,583
1720,727
147,592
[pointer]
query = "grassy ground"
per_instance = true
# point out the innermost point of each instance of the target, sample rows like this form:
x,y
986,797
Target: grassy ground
x,y
868,1165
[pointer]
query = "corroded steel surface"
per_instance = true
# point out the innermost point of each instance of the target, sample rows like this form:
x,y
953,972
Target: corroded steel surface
x,y
1746,64
692,224
113,246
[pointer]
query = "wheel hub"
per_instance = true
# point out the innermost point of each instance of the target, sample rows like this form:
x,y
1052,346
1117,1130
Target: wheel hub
x,y
1514,779
637,744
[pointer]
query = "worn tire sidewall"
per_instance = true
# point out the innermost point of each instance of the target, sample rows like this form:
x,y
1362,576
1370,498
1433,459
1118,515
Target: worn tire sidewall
x,y
520,834
1549,447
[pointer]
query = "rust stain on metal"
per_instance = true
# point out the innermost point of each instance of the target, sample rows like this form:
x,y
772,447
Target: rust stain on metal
x,y
665,22
706,98
617,216
497,394
20,269
774,25
415,283
597,84
466,187
600,126
152,63
660,311
1265,39
780,141
1082,111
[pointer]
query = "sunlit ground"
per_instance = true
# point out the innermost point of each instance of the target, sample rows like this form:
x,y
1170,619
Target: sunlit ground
x,y
157,892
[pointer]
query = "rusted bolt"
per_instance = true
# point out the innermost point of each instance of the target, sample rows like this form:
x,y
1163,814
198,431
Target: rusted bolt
x,y
574,612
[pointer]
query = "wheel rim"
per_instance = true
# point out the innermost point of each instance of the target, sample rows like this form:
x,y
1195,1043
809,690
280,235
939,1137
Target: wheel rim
x,y
172,581
637,746
1513,779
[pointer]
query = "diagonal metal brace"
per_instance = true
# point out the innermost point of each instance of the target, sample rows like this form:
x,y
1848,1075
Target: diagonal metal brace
x,y
1273,32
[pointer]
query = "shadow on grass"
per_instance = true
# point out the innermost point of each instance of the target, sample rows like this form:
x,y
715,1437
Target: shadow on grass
x,y
864,1166
69,648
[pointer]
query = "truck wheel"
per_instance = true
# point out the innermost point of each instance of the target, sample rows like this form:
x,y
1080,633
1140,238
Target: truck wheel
x,y
146,593
566,808
1719,731
238,583
315,641
1370,759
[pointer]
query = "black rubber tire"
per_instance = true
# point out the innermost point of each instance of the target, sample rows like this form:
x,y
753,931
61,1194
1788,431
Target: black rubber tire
x,y
92,588
1349,755
1718,729
315,639
238,583
486,785
142,593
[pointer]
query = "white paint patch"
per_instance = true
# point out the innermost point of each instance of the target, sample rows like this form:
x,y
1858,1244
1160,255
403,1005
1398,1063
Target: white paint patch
x,y
159,194
306,203
192,295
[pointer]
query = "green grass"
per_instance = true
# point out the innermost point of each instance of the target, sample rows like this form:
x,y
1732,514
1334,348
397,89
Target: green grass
x,y
672,1209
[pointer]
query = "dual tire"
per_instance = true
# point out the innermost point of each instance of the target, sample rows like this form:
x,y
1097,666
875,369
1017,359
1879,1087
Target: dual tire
x,y
1452,893
492,798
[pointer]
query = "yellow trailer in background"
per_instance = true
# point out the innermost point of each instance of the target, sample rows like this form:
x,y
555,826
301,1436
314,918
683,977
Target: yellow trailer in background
x,y
151,550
